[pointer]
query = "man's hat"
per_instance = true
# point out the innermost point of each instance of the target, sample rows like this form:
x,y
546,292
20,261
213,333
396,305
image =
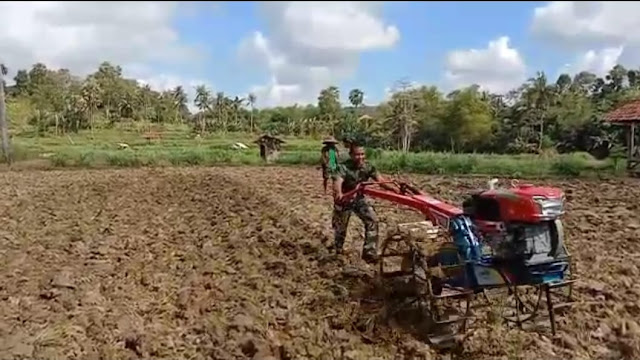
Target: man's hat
x,y
330,140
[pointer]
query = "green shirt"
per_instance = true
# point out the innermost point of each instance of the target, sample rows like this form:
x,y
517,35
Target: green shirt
x,y
352,176
333,159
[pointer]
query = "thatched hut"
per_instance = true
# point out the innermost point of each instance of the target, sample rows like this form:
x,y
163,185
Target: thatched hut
x,y
270,147
628,115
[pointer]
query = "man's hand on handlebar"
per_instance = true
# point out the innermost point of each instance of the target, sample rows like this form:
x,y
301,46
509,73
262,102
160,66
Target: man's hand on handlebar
x,y
395,187
388,184
340,198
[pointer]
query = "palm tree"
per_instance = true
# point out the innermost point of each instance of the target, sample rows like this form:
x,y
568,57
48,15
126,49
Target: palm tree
x,y
235,106
202,101
91,97
144,99
220,105
252,102
356,97
539,96
179,102
3,120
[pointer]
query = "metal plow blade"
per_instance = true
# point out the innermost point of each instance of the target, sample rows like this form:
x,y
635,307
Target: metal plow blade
x,y
409,265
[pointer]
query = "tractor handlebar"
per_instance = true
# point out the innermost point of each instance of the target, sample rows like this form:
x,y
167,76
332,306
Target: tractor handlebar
x,y
360,187
402,186
437,211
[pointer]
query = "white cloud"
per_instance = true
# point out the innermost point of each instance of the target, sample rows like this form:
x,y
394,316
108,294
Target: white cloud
x,y
598,62
80,35
584,26
497,68
588,23
313,45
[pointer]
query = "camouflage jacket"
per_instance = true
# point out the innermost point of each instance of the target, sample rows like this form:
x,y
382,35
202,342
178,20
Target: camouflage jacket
x,y
352,175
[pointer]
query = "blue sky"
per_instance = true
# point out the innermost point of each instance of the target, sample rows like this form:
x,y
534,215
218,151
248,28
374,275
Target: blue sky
x,y
285,52
428,32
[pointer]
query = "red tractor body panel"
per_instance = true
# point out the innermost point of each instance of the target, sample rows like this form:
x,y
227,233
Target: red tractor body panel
x,y
522,203
492,209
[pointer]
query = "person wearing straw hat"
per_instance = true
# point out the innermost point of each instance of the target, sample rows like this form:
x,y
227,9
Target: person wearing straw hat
x,y
330,154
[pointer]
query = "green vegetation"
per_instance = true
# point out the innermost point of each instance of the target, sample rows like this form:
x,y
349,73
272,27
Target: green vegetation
x,y
179,147
541,128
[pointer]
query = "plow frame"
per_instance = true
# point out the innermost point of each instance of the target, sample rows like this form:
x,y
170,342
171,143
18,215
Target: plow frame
x,y
463,278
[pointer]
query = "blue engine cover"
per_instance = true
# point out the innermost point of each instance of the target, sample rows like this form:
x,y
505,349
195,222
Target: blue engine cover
x,y
461,229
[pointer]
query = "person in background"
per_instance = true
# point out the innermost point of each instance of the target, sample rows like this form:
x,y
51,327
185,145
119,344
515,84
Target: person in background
x,y
329,161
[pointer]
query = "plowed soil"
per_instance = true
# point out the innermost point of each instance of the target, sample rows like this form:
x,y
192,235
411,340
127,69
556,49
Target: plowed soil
x,y
230,263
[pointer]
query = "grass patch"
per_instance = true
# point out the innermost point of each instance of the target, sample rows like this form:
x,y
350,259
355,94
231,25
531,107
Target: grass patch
x,y
388,162
179,147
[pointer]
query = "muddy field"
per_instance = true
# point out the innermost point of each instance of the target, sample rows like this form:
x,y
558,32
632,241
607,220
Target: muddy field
x,y
230,263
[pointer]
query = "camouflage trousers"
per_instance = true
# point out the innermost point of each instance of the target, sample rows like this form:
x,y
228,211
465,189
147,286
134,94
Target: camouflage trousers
x,y
364,211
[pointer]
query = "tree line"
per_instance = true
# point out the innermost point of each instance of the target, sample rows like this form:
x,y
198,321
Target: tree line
x,y
541,114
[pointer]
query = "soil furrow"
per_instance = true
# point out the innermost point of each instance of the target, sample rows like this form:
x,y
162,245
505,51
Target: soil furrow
x,y
230,263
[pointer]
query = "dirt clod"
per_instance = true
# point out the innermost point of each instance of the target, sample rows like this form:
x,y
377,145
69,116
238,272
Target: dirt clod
x,y
242,322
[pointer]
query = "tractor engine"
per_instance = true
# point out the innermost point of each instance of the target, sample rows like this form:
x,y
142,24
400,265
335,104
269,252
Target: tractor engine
x,y
519,223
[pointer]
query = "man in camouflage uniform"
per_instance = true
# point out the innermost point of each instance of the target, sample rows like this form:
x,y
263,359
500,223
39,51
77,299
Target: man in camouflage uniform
x,y
348,174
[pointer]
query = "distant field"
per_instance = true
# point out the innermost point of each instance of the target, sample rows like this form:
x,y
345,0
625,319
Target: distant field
x,y
178,145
